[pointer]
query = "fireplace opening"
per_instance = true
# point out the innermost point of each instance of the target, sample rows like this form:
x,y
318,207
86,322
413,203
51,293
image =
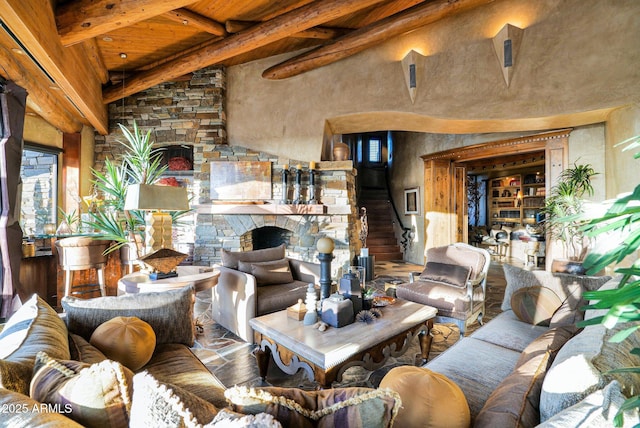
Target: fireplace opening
x,y
265,237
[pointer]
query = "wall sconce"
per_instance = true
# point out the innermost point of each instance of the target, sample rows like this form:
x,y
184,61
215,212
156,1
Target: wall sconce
x,y
506,44
412,67
157,200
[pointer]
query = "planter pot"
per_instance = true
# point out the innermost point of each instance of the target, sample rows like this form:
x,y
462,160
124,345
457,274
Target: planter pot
x,y
573,267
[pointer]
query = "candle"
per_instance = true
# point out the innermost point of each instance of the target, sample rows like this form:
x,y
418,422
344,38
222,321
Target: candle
x,y
298,166
312,165
285,166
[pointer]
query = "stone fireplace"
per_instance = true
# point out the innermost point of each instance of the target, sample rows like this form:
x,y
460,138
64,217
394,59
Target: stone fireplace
x,y
191,114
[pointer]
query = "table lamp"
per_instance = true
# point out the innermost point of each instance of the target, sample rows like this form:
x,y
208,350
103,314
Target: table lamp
x,y
157,200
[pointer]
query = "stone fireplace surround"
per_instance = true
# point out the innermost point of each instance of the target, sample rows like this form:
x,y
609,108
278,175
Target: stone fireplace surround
x,y
192,113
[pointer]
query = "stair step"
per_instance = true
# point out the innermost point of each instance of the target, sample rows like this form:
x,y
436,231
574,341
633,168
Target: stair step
x,y
376,241
387,256
377,249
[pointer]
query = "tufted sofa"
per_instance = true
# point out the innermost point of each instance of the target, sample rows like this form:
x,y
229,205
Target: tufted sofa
x,y
531,365
258,282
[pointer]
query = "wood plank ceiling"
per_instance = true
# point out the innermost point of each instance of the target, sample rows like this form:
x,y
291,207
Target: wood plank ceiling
x,y
76,56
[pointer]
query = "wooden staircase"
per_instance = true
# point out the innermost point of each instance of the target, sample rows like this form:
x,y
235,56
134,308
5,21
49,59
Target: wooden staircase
x,y
381,240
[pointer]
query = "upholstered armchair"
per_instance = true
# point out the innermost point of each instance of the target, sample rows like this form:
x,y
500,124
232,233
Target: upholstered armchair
x,y
255,283
454,280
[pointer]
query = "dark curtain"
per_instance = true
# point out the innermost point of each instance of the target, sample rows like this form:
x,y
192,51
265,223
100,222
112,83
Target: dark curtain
x,y
12,108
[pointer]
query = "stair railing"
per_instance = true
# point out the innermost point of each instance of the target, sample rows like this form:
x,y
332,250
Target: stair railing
x,y
406,231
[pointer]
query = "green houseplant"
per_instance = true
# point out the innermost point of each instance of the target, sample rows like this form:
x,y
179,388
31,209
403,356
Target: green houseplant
x,y
618,221
140,164
562,209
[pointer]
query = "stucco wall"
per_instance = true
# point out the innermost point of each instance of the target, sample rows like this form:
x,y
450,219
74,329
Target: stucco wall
x,y
571,67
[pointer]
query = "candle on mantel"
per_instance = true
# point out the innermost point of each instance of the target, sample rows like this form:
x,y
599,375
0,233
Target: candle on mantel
x,y
285,166
298,166
312,165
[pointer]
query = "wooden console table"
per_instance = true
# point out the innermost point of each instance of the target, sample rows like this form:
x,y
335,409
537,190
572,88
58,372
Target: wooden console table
x,y
325,355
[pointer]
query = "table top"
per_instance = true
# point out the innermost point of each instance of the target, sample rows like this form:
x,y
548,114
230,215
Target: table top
x,y
334,345
203,278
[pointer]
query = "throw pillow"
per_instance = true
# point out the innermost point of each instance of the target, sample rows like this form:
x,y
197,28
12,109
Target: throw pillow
x,y
128,340
570,312
97,395
169,313
81,350
456,275
535,305
517,278
19,412
596,410
583,366
163,405
230,259
269,273
32,328
295,407
515,402
428,398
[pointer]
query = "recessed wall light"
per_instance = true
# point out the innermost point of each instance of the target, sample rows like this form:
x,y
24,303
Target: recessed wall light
x,y
107,39
123,55
18,51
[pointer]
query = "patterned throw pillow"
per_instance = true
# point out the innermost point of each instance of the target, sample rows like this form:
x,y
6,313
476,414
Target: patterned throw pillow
x,y
34,327
535,305
169,313
163,405
92,395
364,407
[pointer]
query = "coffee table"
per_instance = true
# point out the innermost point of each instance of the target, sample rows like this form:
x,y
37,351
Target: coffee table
x,y
325,355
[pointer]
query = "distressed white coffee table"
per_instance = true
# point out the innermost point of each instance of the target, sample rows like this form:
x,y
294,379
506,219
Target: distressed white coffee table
x,y
324,356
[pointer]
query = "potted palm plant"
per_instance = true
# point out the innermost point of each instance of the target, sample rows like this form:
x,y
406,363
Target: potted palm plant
x,y
562,209
141,164
619,223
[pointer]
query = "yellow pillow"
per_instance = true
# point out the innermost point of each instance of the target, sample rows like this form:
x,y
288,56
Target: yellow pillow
x,y
429,399
128,340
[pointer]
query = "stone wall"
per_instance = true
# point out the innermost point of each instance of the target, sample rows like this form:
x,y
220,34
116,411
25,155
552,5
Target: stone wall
x,y
192,113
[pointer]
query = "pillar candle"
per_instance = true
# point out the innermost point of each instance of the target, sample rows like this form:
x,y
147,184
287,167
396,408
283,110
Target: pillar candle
x,y
312,165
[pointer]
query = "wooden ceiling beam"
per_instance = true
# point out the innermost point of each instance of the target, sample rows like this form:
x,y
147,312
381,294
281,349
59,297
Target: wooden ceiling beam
x,y
85,19
364,38
16,66
186,17
32,23
283,26
321,33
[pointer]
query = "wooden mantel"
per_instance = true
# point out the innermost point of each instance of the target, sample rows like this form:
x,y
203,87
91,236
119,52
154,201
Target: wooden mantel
x,y
264,209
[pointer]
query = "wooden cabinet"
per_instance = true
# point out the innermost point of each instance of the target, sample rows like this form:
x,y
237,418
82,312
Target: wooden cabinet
x,y
516,199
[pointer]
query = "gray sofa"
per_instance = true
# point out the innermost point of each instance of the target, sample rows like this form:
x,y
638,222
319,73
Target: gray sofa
x,y
514,373
259,282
